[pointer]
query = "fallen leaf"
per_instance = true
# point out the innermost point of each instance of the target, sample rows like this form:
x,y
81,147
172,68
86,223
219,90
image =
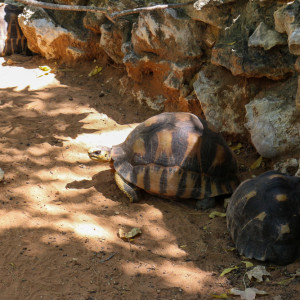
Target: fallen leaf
x,y
248,264
216,214
230,249
95,71
221,296
45,68
236,147
258,272
228,270
248,293
256,164
129,235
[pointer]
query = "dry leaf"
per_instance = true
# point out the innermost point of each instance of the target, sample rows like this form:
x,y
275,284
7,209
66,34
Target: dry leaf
x,y
95,71
217,214
248,264
247,294
45,68
236,147
228,270
221,296
129,235
231,249
258,272
256,164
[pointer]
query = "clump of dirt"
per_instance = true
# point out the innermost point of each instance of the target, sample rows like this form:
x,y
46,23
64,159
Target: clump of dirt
x,y
61,212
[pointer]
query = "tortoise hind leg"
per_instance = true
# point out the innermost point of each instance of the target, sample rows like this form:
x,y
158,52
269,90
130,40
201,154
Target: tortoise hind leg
x,y
130,190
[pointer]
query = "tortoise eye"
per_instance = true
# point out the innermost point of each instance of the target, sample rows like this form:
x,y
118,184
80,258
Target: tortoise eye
x,y
97,152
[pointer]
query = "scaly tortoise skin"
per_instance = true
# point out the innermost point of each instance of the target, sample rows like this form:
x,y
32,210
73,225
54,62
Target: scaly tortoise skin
x,y
12,40
173,155
263,218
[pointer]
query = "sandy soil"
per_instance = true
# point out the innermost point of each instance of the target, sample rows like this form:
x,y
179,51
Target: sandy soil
x,y
61,212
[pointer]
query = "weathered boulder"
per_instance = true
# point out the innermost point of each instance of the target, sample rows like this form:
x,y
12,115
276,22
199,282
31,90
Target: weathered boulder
x,y
113,36
52,41
223,97
298,94
212,15
233,53
251,62
164,52
287,19
273,122
266,38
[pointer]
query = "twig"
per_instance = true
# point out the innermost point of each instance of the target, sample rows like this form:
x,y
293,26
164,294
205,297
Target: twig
x,y
107,258
66,7
149,8
63,6
111,17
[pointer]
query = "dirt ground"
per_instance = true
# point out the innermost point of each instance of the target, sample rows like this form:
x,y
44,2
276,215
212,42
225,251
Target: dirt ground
x,y
61,212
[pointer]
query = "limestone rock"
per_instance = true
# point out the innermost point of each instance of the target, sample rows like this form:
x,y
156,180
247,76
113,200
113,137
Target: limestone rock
x,y
214,16
168,34
297,65
113,36
253,62
266,38
200,4
290,166
233,53
165,51
156,103
298,94
274,126
287,19
50,40
93,21
222,101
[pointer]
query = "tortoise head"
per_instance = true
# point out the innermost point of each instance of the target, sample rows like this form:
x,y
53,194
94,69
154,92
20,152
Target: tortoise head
x,y
101,154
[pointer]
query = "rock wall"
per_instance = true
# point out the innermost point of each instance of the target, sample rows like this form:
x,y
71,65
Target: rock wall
x,y
235,61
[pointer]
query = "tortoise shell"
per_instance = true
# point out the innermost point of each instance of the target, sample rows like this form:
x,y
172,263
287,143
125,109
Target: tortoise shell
x,y
177,155
12,39
263,218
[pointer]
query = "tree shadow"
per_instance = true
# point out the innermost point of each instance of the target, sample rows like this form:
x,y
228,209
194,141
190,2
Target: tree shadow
x,y
60,212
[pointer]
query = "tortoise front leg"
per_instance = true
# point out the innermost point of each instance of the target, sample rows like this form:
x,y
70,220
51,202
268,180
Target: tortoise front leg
x,y
130,190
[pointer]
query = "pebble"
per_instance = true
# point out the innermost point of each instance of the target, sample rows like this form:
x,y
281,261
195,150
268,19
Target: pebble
x,y
1,174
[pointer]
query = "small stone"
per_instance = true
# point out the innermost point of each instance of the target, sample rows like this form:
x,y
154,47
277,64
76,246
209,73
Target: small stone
x,y
1,174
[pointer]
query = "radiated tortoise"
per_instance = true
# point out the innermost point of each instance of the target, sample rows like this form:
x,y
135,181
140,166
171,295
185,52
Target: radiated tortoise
x,y
173,155
263,217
